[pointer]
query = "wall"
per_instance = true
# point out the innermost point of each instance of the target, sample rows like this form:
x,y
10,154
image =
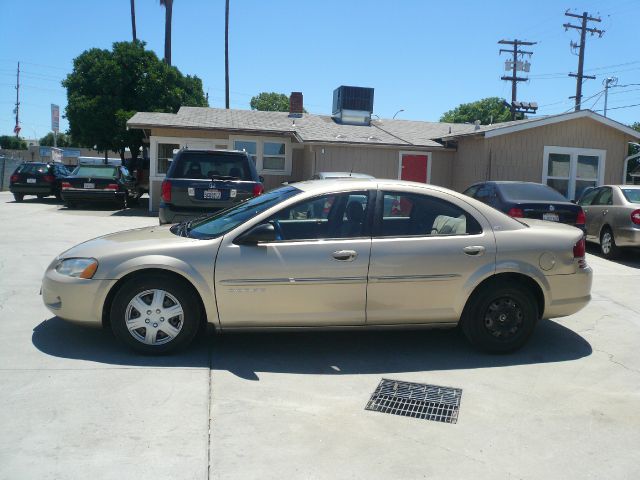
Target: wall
x,y
519,155
7,167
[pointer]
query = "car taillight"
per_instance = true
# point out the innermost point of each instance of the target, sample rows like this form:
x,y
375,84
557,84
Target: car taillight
x,y
257,189
581,219
49,178
166,191
516,212
635,217
14,178
65,185
111,186
579,249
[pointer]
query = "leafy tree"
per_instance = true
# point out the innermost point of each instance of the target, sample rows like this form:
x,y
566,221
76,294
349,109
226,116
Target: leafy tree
x,y
11,142
488,110
63,140
106,88
270,102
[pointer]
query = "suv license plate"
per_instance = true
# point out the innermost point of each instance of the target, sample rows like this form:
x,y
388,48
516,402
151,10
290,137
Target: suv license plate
x,y
551,217
212,194
89,185
31,180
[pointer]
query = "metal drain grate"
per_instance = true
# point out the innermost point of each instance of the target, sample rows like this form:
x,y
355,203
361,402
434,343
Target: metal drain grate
x,y
418,400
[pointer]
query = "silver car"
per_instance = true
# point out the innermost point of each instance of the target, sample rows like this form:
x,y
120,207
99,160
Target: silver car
x,y
613,217
327,254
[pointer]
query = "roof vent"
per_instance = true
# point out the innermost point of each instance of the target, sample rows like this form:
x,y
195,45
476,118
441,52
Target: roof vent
x,y
352,105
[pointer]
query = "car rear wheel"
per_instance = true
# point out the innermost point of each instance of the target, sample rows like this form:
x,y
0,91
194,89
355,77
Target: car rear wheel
x,y
18,197
155,314
499,318
608,246
70,205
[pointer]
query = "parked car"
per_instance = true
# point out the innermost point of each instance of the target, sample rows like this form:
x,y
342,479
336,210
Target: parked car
x,y
99,184
613,217
443,259
139,168
39,179
528,200
205,181
334,175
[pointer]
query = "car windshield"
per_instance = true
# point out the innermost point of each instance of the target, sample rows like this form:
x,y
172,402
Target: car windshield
x,y
631,194
205,165
95,172
529,191
33,168
222,222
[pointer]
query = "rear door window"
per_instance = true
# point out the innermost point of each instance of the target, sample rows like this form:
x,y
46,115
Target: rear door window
x,y
206,166
410,214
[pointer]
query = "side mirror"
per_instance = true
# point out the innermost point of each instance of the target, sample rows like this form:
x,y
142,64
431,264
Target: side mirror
x,y
264,232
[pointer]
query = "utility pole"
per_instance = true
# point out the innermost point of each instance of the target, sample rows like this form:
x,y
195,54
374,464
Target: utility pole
x,y
226,54
516,65
608,83
16,129
583,38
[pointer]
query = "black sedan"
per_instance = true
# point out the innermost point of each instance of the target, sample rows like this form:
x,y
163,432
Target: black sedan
x,y
99,183
36,178
528,200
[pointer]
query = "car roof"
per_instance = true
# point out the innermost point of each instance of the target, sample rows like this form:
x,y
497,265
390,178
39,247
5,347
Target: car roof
x,y
343,175
333,183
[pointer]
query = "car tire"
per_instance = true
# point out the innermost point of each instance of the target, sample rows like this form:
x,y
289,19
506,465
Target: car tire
x,y
166,334
58,195
70,205
500,317
608,246
18,197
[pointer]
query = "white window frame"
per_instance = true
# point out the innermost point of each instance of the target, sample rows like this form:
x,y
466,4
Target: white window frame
x,y
182,142
260,152
422,153
573,153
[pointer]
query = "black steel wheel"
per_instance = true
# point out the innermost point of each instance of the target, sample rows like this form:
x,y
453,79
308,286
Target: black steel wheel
x,y
18,197
500,317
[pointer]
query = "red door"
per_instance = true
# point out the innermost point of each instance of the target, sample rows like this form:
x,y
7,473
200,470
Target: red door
x,y
414,167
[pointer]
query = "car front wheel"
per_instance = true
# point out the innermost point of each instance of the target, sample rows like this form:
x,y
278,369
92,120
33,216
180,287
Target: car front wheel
x,y
499,318
155,314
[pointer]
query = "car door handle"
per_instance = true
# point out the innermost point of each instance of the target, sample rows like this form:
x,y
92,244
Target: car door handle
x,y
474,250
345,255
605,212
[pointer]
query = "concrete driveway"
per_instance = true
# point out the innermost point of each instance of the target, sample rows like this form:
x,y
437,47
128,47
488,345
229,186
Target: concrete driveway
x,y
76,404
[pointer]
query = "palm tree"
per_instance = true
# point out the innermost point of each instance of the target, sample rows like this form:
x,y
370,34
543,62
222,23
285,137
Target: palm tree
x,y
226,54
133,19
168,8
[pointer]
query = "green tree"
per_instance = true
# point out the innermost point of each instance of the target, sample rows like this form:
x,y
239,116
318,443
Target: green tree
x,y
11,142
270,102
488,110
106,88
63,140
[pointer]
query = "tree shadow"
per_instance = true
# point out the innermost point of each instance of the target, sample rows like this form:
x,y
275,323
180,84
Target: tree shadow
x,y
316,353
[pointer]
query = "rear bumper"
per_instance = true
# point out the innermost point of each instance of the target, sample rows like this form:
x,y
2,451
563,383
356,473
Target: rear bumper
x,y
26,189
171,214
627,236
92,195
568,294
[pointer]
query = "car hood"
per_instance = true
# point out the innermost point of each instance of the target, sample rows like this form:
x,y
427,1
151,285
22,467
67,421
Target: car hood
x,y
137,241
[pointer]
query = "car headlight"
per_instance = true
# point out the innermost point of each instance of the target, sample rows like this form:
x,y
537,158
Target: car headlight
x,y
77,267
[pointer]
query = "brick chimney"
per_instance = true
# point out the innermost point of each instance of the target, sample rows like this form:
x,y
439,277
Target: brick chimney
x,y
296,107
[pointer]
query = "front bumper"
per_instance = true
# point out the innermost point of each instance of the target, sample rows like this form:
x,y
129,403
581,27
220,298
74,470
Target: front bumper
x,y
568,294
75,299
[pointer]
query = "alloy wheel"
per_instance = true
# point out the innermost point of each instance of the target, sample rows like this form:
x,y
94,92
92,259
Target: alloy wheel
x,y
605,243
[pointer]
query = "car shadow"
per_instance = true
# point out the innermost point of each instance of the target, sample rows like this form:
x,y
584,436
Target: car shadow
x,y
629,257
46,200
317,353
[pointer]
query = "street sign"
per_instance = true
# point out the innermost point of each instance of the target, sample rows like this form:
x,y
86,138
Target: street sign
x,y
55,118
56,154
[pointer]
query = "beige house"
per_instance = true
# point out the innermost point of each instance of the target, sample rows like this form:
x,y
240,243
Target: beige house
x,y
568,151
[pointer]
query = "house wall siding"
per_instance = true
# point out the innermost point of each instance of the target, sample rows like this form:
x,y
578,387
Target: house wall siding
x,y
519,155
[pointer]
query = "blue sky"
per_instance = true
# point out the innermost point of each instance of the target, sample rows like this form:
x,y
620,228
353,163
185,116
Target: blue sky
x,y
421,56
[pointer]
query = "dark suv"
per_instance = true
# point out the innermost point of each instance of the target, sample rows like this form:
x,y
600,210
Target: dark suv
x,y
35,178
204,181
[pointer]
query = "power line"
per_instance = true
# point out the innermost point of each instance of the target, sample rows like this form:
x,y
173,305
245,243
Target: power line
x,y
624,106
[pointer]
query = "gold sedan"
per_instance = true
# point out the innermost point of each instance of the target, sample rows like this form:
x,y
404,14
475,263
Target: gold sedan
x,y
363,253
